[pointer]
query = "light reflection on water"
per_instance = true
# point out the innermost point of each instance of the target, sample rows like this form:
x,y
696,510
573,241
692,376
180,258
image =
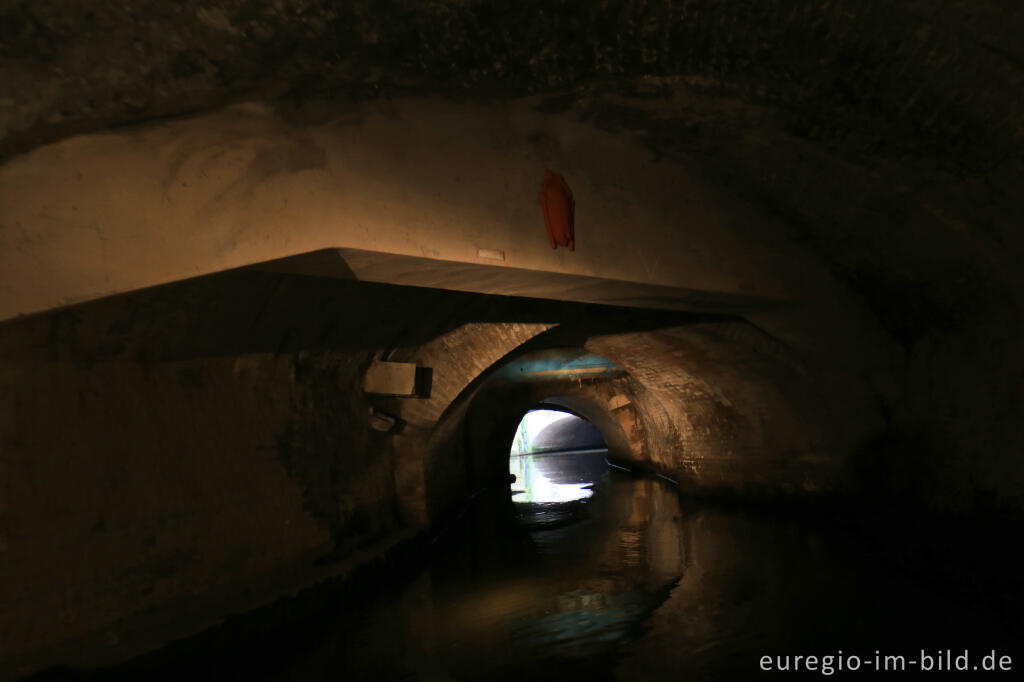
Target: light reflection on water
x,y
532,483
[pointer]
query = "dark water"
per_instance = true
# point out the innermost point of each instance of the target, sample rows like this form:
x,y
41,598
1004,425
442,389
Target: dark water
x,y
631,583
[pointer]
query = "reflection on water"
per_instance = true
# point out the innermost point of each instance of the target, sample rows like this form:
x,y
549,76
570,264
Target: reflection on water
x,y
626,584
556,477
629,584
565,589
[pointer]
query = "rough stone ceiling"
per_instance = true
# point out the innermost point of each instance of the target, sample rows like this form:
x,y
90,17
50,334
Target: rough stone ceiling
x,y
887,134
910,78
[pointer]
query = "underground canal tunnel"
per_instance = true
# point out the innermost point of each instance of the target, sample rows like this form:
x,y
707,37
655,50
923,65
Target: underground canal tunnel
x,y
493,340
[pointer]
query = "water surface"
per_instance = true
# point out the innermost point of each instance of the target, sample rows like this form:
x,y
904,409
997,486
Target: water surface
x,y
598,575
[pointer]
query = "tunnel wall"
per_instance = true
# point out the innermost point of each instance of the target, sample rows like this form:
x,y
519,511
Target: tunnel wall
x,y
727,408
179,492
192,451
456,357
203,447
200,448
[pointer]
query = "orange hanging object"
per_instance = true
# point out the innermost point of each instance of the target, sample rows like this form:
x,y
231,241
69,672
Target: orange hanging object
x,y
559,210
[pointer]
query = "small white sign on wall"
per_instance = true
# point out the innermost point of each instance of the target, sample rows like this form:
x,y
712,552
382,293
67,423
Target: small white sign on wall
x,y
391,378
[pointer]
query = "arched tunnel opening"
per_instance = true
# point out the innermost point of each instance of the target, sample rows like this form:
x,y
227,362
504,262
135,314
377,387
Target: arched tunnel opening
x,y
556,456
289,290
546,429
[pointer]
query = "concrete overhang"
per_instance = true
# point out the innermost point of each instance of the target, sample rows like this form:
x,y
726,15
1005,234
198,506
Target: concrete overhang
x,y
391,268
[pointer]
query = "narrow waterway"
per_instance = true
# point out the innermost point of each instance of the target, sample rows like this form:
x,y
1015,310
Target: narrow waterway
x,y
590,573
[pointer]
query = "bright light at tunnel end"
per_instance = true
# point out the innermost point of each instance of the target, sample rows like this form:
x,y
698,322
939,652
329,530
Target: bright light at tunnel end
x,y
529,460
